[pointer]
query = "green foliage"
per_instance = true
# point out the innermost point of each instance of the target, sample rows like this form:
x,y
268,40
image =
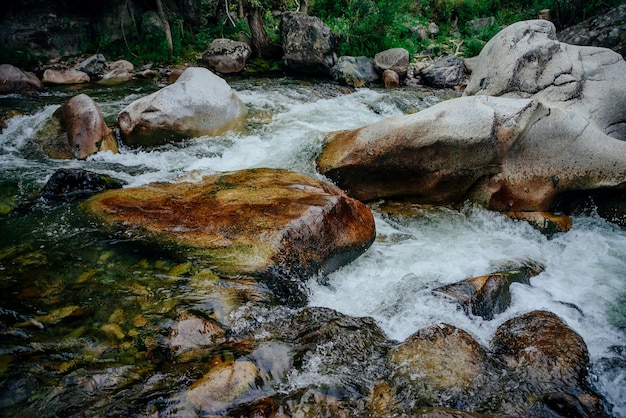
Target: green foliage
x,y
366,27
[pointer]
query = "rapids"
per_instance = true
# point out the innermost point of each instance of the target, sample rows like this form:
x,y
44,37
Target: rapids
x,y
583,281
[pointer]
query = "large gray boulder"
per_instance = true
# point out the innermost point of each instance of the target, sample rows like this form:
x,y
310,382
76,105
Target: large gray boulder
x,y
198,103
556,127
226,55
308,43
444,73
526,60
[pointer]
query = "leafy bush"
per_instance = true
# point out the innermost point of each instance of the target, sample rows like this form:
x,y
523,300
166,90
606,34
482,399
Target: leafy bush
x,y
365,27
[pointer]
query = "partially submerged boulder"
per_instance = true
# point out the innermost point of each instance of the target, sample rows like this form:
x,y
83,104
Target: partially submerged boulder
x,y
549,363
261,222
198,103
77,130
523,372
488,295
72,184
433,156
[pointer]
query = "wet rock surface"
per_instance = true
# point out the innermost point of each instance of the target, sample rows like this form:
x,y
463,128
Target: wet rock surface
x,y
295,226
489,295
522,373
198,103
539,119
76,130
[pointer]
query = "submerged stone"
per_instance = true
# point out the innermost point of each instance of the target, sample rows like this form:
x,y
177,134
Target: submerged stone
x,y
221,386
488,295
77,130
268,223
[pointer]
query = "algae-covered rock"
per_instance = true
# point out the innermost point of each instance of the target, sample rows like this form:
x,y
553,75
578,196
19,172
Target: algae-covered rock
x,y
262,222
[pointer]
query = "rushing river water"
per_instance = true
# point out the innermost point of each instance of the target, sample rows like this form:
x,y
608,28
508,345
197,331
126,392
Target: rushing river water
x,y
60,279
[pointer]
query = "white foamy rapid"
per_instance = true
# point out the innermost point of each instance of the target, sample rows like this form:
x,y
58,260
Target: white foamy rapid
x,y
583,281
585,269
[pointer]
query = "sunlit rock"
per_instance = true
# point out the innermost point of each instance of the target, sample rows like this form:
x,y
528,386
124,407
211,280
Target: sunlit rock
x,y
268,223
525,60
556,127
198,103
15,81
489,295
77,130
221,386
433,156
64,76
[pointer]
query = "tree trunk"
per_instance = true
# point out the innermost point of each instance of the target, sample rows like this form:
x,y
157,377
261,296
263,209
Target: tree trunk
x,y
166,26
190,10
304,5
260,39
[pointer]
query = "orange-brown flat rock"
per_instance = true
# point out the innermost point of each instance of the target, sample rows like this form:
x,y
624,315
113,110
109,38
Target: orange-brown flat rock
x,y
245,222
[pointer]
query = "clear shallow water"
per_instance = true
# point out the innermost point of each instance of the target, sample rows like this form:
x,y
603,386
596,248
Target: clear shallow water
x,y
583,281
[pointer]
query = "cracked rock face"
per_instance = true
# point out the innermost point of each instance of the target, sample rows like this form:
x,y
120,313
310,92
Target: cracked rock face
x,y
539,119
525,60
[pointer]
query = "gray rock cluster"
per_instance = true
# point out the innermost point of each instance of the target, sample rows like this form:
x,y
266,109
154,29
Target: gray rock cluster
x,y
539,119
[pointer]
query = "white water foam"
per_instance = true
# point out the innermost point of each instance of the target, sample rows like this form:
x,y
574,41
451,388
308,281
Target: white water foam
x,y
583,281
